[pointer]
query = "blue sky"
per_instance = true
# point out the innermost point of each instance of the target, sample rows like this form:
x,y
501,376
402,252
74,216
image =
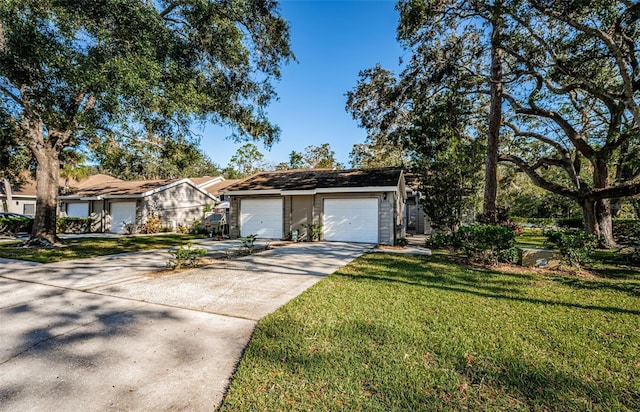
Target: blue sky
x,y
332,41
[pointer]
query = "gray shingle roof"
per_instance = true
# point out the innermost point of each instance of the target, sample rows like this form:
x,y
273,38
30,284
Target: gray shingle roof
x,y
310,179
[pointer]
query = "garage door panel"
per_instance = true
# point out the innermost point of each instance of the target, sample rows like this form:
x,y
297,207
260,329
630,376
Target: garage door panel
x,y
262,217
122,213
351,220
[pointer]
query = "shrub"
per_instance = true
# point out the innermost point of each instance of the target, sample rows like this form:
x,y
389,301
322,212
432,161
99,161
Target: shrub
x,y
186,256
401,241
14,225
575,246
249,243
197,228
439,240
488,243
73,224
500,217
573,223
627,231
314,230
152,225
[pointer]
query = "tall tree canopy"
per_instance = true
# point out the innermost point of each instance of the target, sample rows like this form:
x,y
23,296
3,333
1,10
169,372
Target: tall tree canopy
x,y
569,88
152,159
75,71
246,161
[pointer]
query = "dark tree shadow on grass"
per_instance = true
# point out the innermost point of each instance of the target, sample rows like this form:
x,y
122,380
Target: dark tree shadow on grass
x,y
439,273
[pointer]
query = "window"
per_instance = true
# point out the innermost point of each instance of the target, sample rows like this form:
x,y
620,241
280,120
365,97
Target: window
x,y
29,209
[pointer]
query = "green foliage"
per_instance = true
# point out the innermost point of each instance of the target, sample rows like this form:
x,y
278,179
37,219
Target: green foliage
x,y
440,240
14,225
627,231
314,230
248,242
246,161
402,241
498,217
161,158
74,224
575,246
573,223
489,243
75,74
87,247
186,256
197,228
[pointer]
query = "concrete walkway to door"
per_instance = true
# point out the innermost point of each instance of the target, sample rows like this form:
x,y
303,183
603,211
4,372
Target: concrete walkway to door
x,y
76,338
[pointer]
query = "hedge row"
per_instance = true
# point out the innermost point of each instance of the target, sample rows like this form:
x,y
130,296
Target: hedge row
x,y
15,225
624,230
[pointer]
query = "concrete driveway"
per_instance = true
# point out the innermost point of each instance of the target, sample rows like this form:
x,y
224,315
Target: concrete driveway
x,y
106,333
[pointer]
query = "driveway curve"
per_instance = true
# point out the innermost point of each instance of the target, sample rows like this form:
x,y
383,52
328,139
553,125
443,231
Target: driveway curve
x,y
107,333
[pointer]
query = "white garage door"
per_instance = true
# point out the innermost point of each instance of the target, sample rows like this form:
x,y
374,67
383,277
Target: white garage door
x,y
262,217
78,209
351,220
122,213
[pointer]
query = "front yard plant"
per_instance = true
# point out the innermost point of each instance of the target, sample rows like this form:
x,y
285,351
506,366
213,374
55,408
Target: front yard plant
x,y
575,246
487,243
402,333
186,256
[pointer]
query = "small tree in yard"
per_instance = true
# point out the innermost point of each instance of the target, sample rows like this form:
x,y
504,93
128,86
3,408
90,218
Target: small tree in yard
x,y
75,72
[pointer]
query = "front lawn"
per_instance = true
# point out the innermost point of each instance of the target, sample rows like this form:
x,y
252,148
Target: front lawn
x,y
79,248
398,332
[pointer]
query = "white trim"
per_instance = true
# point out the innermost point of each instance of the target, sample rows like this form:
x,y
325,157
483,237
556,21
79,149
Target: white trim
x,y
145,194
253,192
174,184
365,189
211,182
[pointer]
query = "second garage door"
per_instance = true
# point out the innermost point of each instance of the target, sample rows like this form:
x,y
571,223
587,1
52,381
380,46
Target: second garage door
x,y
122,214
351,220
262,217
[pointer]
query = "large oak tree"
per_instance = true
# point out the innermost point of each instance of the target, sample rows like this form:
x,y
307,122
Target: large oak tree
x,y
72,71
570,89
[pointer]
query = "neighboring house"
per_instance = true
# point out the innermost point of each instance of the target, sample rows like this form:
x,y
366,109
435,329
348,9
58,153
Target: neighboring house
x,y
24,195
416,220
206,182
115,205
23,198
219,187
351,205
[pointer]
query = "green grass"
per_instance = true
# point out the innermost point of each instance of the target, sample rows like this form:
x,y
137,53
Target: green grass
x,y
79,248
531,237
398,332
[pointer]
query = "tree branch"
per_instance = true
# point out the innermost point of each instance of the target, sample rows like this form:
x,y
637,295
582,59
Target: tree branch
x,y
539,180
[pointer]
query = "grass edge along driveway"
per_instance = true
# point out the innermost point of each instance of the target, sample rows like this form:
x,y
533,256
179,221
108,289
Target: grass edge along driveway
x,y
399,332
87,247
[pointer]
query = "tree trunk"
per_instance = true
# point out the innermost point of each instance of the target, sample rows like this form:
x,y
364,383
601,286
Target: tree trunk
x,y
605,223
47,181
495,120
8,193
602,207
616,207
589,217
635,202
